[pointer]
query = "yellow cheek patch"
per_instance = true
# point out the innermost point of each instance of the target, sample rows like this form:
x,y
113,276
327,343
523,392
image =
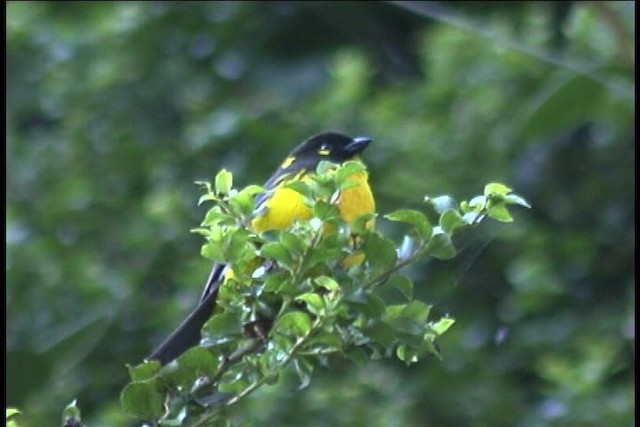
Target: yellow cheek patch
x,y
287,162
324,152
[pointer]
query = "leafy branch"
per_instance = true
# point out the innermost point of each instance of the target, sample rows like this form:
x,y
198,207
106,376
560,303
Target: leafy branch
x,y
297,295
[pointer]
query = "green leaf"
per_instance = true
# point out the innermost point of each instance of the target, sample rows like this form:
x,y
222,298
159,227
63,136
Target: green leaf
x,y
200,361
278,252
380,252
347,170
441,246
442,325
280,283
333,242
415,218
496,188
294,243
327,283
209,195
477,203
416,311
514,199
373,306
321,255
428,347
293,323
235,379
500,213
381,333
244,200
324,340
11,412
222,328
223,182
325,210
450,220
207,198
206,185
408,318
144,371
403,284
196,362
239,248
143,400
314,302
325,166
215,216
407,354
212,251
363,223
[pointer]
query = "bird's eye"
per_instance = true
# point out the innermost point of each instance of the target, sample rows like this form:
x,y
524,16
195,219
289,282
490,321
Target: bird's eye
x,y
324,150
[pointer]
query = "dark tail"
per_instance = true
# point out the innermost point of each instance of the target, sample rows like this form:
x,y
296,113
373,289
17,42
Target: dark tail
x,y
187,335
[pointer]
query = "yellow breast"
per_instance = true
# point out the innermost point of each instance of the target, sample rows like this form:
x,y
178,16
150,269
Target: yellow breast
x,y
286,205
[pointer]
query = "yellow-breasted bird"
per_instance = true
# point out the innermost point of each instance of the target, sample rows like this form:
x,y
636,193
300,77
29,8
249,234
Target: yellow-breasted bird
x,y
277,208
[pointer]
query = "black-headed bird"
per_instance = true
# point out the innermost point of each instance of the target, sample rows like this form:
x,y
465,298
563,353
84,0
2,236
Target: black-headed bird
x,y
277,208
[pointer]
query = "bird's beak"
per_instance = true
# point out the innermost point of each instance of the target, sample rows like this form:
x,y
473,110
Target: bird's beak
x,y
358,144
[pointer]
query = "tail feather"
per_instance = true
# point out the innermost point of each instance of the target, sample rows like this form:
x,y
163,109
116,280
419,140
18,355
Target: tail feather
x,y
187,335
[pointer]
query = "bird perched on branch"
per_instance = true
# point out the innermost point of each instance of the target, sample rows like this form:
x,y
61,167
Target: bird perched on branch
x,y
277,208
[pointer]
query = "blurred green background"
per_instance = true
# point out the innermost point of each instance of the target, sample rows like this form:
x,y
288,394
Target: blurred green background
x,y
115,109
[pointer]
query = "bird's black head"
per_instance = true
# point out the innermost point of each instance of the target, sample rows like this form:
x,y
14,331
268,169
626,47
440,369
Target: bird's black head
x,y
332,146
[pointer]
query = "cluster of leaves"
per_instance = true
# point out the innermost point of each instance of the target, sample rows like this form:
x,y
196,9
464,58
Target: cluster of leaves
x,y
299,295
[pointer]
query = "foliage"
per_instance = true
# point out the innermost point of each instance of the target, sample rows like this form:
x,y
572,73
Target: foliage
x,y
296,297
11,414
114,109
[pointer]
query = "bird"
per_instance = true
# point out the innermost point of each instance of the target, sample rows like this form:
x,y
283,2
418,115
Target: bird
x,y
277,208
